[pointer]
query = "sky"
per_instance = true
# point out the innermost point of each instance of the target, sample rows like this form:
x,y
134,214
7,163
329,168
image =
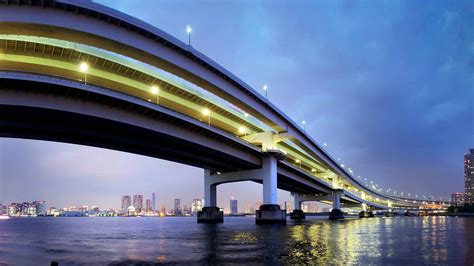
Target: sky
x,y
388,85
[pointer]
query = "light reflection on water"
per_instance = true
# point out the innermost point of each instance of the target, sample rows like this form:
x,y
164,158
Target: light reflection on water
x,y
398,240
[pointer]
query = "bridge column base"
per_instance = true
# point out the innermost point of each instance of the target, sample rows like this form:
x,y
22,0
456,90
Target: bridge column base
x,y
366,214
297,215
270,214
210,215
336,214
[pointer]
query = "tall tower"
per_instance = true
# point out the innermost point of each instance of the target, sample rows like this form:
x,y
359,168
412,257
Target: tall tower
x,y
469,178
233,206
126,202
138,202
153,199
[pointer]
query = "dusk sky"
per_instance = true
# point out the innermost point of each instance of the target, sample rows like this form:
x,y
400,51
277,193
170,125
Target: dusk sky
x,y
388,85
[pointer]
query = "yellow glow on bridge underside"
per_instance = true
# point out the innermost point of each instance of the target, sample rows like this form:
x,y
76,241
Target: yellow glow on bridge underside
x,y
96,76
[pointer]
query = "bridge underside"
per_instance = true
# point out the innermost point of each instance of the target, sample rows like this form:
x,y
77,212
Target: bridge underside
x,y
22,117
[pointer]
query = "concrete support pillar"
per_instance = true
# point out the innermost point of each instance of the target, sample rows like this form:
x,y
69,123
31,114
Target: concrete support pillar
x,y
297,213
270,195
297,201
336,199
270,211
210,213
336,212
210,191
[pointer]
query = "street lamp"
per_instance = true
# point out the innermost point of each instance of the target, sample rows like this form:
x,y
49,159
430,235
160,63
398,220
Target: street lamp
x,y
207,113
298,162
304,124
84,67
243,130
156,90
189,30
265,88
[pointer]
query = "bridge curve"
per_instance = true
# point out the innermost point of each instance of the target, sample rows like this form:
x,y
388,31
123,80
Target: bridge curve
x,y
51,38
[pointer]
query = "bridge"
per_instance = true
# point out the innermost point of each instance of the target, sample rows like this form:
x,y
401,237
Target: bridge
x,y
79,72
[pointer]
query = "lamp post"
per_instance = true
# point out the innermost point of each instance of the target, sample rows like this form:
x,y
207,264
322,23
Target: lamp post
x,y
265,88
304,124
84,67
156,90
207,113
189,30
298,161
243,130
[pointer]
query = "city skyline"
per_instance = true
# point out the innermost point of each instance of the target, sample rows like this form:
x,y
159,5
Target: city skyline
x,y
379,122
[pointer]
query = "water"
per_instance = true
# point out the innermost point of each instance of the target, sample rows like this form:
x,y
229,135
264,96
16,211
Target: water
x,y
117,241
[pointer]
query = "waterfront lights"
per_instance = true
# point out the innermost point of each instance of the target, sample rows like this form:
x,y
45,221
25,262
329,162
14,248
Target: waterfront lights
x,y
84,67
265,88
155,90
189,30
207,113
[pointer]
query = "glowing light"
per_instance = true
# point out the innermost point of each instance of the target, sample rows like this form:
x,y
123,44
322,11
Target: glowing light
x,y
83,67
188,29
297,161
154,89
242,130
265,87
206,111
246,115
313,170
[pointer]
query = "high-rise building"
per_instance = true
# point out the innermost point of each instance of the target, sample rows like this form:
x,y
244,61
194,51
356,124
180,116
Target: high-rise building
x,y
40,208
153,199
126,202
177,206
196,206
149,206
457,198
233,206
138,203
469,178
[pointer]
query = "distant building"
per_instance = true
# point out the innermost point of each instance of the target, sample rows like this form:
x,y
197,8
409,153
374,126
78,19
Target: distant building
x,y
309,206
177,206
233,206
149,205
138,203
126,202
153,199
131,211
196,206
163,210
3,209
469,178
250,209
40,207
457,199
258,204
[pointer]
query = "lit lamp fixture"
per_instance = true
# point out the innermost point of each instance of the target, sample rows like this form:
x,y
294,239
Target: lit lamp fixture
x,y
304,125
298,162
243,130
313,170
84,67
189,30
265,88
156,90
207,113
